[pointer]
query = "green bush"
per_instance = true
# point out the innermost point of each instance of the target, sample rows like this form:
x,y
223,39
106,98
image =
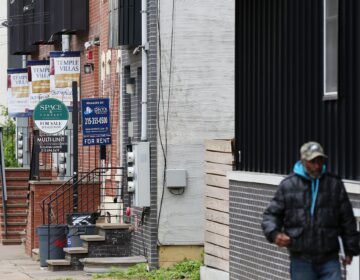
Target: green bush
x,y
187,269
9,140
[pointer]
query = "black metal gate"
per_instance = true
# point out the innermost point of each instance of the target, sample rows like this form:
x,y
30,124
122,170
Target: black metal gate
x,y
279,86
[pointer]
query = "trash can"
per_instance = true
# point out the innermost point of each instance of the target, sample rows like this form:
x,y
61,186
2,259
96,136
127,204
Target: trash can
x,y
73,236
55,236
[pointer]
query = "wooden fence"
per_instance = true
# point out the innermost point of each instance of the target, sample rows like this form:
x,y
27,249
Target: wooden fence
x,y
219,159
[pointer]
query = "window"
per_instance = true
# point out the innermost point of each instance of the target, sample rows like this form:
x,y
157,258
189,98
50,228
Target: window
x,y
331,15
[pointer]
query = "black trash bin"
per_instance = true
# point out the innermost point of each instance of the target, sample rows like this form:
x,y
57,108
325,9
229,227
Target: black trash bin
x,y
56,234
73,236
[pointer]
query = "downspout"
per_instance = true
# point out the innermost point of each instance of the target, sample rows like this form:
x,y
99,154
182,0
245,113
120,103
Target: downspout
x,y
144,60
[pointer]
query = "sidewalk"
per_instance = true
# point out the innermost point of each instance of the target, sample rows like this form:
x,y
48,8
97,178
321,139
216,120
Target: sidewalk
x,y
15,265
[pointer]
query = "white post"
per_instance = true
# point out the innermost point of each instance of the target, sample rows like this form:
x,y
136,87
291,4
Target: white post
x,y
65,42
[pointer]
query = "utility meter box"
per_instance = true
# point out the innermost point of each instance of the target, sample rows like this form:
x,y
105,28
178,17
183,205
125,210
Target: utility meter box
x,y
141,177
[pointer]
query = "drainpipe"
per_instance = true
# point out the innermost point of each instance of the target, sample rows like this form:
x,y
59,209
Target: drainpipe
x,y
144,60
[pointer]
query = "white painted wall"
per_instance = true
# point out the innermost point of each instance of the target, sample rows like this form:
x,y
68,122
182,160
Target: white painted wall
x,y
3,56
201,104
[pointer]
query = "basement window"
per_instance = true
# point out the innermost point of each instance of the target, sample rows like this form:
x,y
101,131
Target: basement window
x,y
331,30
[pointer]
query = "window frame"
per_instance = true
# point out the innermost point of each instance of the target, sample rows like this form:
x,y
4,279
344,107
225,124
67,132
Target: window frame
x,y
329,95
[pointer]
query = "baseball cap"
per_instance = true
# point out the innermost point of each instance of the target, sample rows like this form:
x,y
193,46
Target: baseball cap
x,y
311,150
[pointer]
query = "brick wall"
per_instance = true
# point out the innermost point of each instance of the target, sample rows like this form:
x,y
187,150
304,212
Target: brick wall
x,y
38,192
251,256
145,236
91,84
116,244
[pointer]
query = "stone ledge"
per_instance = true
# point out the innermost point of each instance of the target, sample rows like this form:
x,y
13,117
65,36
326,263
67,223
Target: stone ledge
x,y
59,262
76,250
115,261
102,265
113,226
352,187
89,238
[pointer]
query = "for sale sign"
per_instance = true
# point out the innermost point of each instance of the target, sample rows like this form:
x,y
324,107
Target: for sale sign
x,y
51,116
96,121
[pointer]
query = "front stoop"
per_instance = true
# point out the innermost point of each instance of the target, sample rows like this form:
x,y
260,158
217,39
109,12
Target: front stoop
x,y
17,206
112,242
103,265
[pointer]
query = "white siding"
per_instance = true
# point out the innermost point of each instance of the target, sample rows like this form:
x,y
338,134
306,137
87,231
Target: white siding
x,y
201,104
3,54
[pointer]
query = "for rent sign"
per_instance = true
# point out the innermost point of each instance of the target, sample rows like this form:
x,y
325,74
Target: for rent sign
x,y
96,121
51,116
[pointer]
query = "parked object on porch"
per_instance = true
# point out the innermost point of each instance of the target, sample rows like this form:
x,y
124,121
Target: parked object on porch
x,y
73,236
82,218
52,240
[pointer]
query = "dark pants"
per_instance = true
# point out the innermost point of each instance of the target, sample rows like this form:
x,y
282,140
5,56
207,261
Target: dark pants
x,y
302,269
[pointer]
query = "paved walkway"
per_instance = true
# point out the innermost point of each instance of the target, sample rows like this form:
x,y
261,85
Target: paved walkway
x,y
15,265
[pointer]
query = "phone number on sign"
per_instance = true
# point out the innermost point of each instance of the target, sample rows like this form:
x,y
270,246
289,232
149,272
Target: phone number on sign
x,y
101,120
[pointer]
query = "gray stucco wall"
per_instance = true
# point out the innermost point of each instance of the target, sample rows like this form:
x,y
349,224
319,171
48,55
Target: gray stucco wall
x,y
196,56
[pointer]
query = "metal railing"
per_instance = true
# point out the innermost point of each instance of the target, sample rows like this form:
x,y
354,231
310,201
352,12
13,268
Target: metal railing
x,y
3,182
98,191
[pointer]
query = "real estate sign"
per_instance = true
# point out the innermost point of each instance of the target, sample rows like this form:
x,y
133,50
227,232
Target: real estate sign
x,y
52,143
18,92
64,69
39,81
96,121
51,116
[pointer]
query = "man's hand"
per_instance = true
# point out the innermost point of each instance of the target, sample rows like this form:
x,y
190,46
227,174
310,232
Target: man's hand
x,y
347,260
282,240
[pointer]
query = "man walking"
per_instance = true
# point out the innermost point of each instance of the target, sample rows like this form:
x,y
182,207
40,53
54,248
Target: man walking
x,y
308,214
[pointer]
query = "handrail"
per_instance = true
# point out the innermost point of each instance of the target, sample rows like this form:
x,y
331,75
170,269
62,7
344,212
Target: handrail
x,y
42,202
60,200
3,181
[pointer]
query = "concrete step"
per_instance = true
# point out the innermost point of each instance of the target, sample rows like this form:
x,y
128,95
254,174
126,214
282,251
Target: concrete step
x,y
102,265
35,254
20,214
16,241
113,226
15,196
16,205
20,173
58,265
90,238
14,232
16,187
76,250
24,223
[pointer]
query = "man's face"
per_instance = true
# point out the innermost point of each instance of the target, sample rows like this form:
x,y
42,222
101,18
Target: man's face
x,y
314,166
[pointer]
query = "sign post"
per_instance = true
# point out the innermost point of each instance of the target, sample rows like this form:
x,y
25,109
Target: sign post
x,y
75,143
